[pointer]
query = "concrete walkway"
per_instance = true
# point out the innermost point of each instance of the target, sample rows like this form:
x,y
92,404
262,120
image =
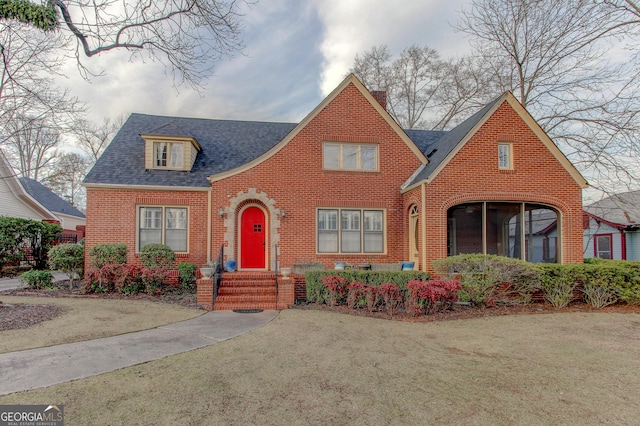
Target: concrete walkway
x,y
42,367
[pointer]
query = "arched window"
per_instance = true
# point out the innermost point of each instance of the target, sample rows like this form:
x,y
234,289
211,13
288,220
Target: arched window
x,y
519,230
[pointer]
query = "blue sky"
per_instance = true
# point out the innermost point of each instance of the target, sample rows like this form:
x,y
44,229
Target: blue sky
x,y
296,53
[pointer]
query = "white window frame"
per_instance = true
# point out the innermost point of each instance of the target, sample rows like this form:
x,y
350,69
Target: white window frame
x,y
505,156
329,221
163,225
172,158
341,160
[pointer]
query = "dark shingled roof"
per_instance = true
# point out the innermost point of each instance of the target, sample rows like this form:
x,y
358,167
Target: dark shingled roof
x,y
229,144
48,199
438,151
225,145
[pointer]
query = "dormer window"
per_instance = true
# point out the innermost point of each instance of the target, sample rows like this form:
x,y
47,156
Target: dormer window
x,y
170,152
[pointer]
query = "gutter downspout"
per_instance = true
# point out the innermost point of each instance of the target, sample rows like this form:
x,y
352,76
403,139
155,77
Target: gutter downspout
x,y
423,220
209,225
623,244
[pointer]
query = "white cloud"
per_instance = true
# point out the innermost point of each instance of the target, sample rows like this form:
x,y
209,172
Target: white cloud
x,y
354,26
296,53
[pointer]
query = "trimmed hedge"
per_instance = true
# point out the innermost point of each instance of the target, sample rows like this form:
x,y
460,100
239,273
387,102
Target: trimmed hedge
x,y
318,293
488,280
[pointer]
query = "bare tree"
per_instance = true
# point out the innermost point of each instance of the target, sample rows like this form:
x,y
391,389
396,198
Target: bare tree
x,y
65,178
555,56
92,138
28,61
32,145
187,36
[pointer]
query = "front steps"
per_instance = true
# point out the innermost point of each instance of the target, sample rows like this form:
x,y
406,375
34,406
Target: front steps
x,y
246,290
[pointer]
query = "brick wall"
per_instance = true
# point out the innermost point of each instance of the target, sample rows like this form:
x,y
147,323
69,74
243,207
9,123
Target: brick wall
x,y
294,180
473,175
111,218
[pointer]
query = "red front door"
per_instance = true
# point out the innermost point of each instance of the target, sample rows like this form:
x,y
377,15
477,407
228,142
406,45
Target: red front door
x,y
253,239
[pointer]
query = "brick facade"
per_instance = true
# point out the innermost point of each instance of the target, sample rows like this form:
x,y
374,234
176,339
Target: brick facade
x,y
289,184
473,176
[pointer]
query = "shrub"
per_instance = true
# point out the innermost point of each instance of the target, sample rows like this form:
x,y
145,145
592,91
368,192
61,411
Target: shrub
x,y
318,293
337,287
38,279
356,294
391,296
559,283
25,235
487,280
431,296
69,258
123,278
108,254
187,275
157,256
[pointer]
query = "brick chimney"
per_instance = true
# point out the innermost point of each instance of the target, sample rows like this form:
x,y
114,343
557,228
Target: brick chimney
x,y
381,97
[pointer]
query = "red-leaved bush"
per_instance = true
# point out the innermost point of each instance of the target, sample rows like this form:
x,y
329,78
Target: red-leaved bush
x,y
431,296
392,297
337,287
356,294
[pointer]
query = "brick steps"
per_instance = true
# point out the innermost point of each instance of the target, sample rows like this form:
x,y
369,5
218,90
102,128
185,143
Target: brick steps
x,y
246,290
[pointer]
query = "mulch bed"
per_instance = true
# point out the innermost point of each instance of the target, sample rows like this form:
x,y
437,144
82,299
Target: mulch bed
x,y
467,312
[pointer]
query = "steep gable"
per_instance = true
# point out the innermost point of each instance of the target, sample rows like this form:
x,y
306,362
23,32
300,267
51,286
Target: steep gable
x,y
441,152
350,81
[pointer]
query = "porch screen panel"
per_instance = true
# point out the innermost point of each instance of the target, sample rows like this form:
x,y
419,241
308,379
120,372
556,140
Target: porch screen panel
x,y
465,229
150,226
373,232
176,229
540,227
350,223
504,229
327,231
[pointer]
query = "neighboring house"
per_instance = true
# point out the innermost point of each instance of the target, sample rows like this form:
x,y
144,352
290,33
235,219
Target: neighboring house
x,y
612,227
344,184
28,199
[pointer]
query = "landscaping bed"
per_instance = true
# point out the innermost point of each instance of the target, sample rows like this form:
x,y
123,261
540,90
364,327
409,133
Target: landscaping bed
x,y
461,312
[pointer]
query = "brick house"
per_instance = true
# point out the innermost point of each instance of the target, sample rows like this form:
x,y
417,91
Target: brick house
x,y
344,184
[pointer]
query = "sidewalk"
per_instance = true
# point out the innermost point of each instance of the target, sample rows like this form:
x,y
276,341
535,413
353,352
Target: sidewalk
x,y
42,367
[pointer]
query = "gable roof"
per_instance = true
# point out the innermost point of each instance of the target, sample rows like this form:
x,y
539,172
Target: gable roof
x,y
18,191
445,148
618,210
48,199
350,80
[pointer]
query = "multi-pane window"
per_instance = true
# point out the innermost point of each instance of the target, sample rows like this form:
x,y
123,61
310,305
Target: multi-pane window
x,y
168,154
603,246
349,156
350,231
163,225
504,156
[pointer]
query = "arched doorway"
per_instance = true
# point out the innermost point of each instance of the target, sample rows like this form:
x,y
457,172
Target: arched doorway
x,y
253,238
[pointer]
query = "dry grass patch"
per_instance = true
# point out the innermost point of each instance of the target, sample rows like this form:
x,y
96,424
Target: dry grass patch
x,y
84,319
313,367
